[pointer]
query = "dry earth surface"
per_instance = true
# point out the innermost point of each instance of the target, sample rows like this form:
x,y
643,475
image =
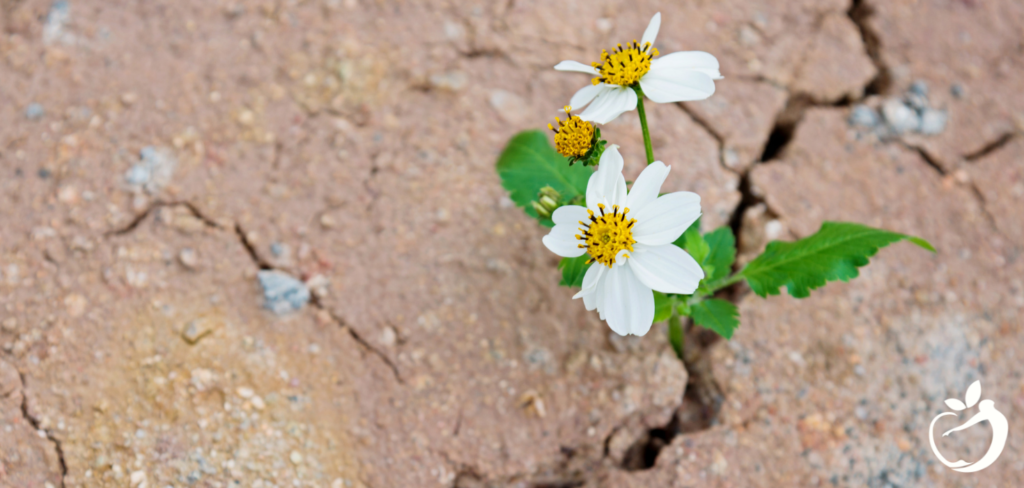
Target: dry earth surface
x,y
156,155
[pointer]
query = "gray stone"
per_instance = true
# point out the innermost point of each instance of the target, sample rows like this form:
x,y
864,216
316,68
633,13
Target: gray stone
x,y
153,171
899,117
919,87
864,116
933,121
282,293
34,111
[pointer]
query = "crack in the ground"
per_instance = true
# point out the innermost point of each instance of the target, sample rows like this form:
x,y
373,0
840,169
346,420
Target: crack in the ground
x,y
157,204
991,147
359,339
704,124
859,12
34,422
250,248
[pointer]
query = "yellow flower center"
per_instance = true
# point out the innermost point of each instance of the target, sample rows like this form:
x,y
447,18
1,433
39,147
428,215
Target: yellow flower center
x,y
573,137
625,66
605,235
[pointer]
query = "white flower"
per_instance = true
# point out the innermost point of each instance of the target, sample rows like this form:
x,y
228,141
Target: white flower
x,y
678,77
629,238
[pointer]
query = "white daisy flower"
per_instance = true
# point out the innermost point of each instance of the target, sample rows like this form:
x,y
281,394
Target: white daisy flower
x,y
629,238
678,77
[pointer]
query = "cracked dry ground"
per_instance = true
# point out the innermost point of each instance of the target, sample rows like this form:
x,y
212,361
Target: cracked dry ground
x,y
361,136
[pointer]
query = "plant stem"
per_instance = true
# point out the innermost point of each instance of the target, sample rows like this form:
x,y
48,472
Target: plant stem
x,y
643,123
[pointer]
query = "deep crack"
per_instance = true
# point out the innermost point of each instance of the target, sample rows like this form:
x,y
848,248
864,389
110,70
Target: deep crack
x,y
34,422
860,11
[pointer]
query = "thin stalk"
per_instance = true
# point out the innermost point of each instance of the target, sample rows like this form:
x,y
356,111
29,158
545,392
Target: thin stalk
x,y
643,123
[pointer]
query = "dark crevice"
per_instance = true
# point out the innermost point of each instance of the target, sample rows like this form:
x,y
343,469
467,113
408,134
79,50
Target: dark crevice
x,y
927,158
136,221
860,11
34,422
704,124
699,410
991,147
251,249
362,342
785,126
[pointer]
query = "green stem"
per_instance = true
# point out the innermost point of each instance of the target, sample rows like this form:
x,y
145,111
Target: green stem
x,y
643,123
735,278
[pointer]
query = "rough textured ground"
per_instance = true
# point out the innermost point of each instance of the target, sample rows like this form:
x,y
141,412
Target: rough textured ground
x,y
351,144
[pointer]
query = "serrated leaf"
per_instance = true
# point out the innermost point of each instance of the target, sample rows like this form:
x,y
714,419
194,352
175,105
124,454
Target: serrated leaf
x,y
833,253
955,404
529,163
718,315
973,391
694,244
662,307
722,253
573,270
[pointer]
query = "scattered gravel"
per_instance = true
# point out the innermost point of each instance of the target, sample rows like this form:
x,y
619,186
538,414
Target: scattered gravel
x,y
911,113
153,171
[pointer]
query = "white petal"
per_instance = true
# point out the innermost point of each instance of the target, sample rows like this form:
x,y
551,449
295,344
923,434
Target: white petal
x,y
607,185
652,30
570,215
676,86
562,241
610,104
665,219
628,304
667,268
590,280
586,94
688,61
646,187
575,66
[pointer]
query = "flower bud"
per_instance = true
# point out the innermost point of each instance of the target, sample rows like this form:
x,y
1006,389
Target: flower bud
x,y
548,200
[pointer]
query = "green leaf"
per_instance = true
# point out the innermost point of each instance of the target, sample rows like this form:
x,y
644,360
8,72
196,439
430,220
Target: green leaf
x,y
722,253
718,315
833,253
573,270
662,307
529,163
696,246
675,336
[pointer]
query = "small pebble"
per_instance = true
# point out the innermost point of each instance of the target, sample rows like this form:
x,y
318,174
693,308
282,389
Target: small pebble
x,y
282,293
245,392
295,457
189,258
919,87
957,90
933,121
34,111
900,117
278,249
864,116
